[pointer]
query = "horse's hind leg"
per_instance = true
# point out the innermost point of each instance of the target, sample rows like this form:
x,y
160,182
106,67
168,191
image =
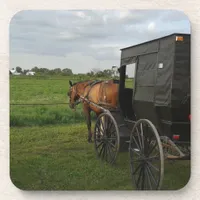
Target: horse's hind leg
x,y
87,111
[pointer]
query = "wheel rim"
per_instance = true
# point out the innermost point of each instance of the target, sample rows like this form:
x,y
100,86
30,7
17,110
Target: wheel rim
x,y
146,156
106,138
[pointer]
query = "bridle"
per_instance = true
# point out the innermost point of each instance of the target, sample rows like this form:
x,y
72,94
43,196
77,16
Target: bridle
x,y
75,94
79,100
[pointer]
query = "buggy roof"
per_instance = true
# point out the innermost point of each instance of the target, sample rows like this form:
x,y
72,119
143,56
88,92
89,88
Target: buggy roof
x,y
160,38
130,54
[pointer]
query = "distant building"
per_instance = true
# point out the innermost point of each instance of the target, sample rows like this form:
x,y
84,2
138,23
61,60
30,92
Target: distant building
x,y
115,71
30,73
14,72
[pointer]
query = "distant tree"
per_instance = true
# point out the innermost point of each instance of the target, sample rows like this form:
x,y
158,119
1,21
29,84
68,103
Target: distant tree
x,y
35,69
57,71
67,72
43,70
90,73
107,72
19,69
51,72
95,70
99,74
25,71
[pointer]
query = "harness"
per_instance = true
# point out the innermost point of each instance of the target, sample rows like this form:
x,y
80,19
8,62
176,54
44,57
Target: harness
x,y
102,90
91,85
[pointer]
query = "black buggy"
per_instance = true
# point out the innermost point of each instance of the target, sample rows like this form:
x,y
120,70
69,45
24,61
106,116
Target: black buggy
x,y
152,120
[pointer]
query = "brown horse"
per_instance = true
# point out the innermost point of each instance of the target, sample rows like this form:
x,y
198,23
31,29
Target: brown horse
x,y
103,93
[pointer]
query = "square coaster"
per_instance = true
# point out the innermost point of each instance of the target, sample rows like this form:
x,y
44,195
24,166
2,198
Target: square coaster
x,y
100,100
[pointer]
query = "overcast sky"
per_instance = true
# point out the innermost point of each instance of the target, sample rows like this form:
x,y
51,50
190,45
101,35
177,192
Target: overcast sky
x,y
85,39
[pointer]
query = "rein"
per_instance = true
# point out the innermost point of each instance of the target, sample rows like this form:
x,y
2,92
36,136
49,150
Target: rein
x,y
91,84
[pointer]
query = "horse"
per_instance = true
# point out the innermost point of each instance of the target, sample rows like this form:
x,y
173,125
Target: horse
x,y
102,93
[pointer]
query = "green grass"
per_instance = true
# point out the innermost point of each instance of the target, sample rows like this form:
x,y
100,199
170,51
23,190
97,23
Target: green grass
x,y
129,83
49,149
35,90
41,115
59,158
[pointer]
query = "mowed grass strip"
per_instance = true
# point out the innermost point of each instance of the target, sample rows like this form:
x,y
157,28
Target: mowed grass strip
x,y
59,158
34,90
44,115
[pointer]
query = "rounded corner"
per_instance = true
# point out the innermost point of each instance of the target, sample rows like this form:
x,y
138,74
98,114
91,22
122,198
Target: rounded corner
x,y
186,185
14,183
182,12
14,15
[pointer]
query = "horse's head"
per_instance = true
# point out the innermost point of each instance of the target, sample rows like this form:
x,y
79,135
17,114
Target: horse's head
x,y
73,95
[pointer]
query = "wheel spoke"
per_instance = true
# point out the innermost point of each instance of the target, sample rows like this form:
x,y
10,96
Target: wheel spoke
x,y
102,148
142,137
106,153
111,154
99,144
139,139
138,167
148,178
140,174
136,143
148,140
110,124
112,145
133,149
103,154
151,150
151,174
152,166
99,129
103,125
111,133
153,157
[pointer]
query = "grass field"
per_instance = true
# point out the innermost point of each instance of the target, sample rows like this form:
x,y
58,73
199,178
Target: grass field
x,y
49,149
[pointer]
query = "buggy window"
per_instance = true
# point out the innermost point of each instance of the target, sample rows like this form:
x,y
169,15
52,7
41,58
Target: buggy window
x,y
130,73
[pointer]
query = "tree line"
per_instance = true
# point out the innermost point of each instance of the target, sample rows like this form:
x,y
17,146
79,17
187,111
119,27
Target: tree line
x,y
46,71
95,72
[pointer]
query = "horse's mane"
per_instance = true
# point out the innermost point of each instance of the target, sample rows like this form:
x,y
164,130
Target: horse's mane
x,y
80,82
114,80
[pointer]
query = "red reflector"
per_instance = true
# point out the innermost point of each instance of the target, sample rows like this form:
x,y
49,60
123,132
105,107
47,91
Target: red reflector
x,y
176,137
189,117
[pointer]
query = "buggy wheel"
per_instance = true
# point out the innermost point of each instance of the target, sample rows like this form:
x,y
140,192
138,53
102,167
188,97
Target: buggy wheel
x,y
106,138
146,156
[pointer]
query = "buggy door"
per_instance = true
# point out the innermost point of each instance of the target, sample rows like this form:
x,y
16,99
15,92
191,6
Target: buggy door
x,y
144,91
126,90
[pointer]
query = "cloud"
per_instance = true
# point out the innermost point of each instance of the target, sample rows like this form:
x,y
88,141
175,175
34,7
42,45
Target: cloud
x,y
68,36
174,15
151,26
124,14
96,33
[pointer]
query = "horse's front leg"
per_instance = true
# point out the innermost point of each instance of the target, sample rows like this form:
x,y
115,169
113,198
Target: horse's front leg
x,y
87,111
